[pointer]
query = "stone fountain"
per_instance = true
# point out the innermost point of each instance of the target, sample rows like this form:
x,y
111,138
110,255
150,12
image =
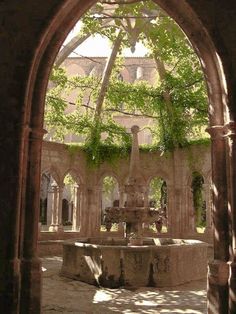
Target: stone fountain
x,y
134,261
134,214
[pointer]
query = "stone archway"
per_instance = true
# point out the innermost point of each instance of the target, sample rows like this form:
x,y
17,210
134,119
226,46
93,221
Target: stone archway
x,y
60,18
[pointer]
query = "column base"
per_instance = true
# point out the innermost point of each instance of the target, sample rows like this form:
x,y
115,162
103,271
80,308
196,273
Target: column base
x,y
232,287
217,289
56,228
209,233
31,286
10,287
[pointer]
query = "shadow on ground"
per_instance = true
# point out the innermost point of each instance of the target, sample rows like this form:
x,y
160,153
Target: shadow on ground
x,y
63,295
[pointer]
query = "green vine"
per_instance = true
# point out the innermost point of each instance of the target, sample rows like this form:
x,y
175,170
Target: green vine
x,y
111,153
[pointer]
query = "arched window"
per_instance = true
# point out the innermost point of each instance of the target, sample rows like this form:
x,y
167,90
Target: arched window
x,y
199,203
47,183
158,199
71,203
110,197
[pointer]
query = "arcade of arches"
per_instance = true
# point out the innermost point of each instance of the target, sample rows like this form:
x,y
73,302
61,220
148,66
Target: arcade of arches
x,y
78,205
30,36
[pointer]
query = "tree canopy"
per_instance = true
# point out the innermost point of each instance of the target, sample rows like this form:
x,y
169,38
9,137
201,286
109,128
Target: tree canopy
x,y
177,101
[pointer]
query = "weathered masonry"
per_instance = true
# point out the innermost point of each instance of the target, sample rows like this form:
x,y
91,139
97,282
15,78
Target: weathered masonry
x,y
30,37
176,169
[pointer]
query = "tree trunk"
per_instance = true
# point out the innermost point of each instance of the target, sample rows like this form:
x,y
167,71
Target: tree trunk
x,y
107,74
68,48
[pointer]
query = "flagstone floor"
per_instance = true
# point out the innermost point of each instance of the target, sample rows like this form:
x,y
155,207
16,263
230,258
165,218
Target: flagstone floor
x,y
63,295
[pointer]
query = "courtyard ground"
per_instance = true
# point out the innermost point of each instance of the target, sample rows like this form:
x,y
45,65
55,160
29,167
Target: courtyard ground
x,y
63,295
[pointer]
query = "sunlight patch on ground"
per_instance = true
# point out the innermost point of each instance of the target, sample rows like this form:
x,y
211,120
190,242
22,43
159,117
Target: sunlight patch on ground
x,y
53,258
146,303
101,296
176,311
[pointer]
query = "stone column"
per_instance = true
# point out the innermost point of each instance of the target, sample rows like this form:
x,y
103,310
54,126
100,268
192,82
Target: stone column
x,y
122,196
93,212
59,226
191,215
218,270
49,206
56,225
230,129
97,208
30,263
76,209
146,204
12,228
146,200
188,222
84,214
121,204
177,193
170,210
53,201
207,198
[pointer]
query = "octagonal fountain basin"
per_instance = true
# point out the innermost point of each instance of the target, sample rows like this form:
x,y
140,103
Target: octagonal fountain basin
x,y
112,263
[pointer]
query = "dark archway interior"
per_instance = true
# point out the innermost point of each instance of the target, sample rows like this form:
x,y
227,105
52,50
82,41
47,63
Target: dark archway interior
x,y
31,35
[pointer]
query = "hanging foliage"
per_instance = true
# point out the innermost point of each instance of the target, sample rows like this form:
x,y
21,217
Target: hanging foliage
x,y
177,101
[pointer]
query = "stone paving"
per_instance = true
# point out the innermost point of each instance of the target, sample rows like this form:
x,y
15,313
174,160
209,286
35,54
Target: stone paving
x,y
63,295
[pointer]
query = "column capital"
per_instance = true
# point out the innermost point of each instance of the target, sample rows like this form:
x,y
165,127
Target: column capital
x,y
37,133
26,129
122,189
218,272
60,188
230,129
217,132
76,185
53,188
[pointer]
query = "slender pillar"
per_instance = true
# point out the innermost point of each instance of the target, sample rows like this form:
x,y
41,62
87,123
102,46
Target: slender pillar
x,y
93,212
76,209
170,210
146,200
187,211
49,206
56,225
191,216
97,208
84,217
231,167
122,196
218,270
121,204
59,227
53,203
207,198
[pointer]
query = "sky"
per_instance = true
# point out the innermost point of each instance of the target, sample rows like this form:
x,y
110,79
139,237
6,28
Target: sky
x,y
97,46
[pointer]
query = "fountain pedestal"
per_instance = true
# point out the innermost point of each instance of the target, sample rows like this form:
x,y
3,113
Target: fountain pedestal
x,y
134,214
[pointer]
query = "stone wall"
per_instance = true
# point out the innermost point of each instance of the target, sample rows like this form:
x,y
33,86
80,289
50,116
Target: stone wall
x,y
175,168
